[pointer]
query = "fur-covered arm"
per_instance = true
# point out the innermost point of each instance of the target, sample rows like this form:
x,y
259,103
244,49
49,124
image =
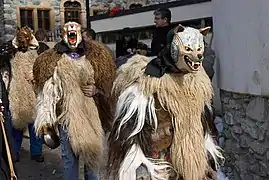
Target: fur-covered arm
x,y
104,67
90,89
44,67
103,64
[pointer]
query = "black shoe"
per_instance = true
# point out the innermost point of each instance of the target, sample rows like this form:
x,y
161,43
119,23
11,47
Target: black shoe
x,y
38,158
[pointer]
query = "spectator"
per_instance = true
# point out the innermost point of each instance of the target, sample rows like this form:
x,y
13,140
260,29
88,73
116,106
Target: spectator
x,y
209,61
89,35
127,44
142,48
162,20
41,36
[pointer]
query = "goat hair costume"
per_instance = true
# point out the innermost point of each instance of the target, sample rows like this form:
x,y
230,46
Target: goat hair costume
x,y
59,74
158,121
21,93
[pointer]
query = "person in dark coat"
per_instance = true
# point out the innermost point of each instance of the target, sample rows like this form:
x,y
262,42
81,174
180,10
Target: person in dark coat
x,y
162,20
126,45
141,49
209,61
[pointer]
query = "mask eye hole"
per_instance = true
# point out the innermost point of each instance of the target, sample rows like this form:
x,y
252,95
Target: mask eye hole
x,y
199,49
188,48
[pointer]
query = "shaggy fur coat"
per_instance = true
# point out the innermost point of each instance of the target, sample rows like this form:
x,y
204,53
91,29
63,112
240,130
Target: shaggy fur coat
x,y
182,98
58,80
21,93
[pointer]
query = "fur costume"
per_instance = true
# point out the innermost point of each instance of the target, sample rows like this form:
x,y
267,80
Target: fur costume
x,y
60,100
21,94
158,119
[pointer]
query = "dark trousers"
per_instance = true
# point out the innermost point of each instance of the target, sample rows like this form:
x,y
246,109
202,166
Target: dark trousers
x,y
35,141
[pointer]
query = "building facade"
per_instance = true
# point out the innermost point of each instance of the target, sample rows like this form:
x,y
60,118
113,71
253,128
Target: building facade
x,y
47,14
51,14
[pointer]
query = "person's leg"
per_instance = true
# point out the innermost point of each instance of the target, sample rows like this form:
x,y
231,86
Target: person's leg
x,y
17,140
90,174
35,144
70,160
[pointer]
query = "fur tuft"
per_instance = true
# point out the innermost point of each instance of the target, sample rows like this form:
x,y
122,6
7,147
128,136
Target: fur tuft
x,y
132,101
158,170
47,100
213,150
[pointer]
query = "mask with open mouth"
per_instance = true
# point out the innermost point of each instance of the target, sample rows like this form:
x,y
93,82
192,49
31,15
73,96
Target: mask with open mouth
x,y
187,48
72,34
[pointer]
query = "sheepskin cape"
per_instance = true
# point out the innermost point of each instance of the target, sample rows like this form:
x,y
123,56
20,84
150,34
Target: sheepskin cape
x,y
104,68
140,99
60,100
21,93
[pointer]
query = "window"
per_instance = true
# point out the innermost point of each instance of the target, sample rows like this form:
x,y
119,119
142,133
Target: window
x,y
72,11
26,17
43,19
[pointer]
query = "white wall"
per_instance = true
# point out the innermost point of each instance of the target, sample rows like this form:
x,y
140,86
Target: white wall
x,y
241,41
180,13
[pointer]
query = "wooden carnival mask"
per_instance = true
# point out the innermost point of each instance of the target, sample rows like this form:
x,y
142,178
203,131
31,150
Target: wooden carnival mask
x,y
72,34
187,47
24,39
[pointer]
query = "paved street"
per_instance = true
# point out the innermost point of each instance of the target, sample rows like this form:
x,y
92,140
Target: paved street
x,y
51,169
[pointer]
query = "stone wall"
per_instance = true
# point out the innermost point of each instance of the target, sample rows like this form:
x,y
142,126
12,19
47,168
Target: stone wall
x,y
10,13
246,145
2,21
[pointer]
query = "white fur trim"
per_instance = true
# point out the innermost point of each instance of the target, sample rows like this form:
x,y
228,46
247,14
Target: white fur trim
x,y
135,157
214,150
133,101
47,99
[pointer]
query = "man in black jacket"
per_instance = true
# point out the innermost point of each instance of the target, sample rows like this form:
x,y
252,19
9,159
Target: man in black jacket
x,y
162,20
127,44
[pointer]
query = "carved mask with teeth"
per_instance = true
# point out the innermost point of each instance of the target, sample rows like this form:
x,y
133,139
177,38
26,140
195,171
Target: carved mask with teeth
x,y
187,48
72,34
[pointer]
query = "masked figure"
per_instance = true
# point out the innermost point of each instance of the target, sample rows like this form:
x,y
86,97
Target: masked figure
x,y
21,93
73,82
160,125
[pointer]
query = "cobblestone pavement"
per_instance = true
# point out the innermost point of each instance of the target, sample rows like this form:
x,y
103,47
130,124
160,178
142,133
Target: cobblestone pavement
x,y
51,169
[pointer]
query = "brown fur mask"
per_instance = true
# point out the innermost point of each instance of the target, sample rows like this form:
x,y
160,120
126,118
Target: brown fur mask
x,y
24,39
187,48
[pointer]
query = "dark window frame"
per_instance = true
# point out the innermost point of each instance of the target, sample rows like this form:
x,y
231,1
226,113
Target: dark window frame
x,y
27,17
72,11
44,19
